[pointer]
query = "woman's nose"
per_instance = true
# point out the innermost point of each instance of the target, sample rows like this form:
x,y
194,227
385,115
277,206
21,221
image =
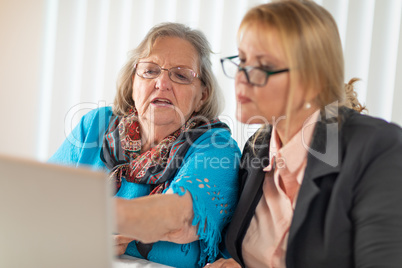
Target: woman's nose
x,y
241,77
163,81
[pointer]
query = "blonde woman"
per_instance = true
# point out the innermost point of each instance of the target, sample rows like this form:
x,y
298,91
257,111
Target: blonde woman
x,y
320,183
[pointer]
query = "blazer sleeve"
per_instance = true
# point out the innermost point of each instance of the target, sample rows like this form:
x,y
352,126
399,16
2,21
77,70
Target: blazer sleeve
x,y
377,212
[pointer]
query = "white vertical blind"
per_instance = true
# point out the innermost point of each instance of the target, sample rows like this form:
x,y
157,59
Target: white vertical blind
x,y
46,80
95,49
85,43
384,53
396,105
339,10
358,43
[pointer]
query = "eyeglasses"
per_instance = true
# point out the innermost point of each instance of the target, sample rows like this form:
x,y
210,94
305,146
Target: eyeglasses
x,y
255,75
180,75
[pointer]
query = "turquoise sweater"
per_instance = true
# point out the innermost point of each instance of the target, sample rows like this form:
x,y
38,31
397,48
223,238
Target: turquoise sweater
x,y
208,173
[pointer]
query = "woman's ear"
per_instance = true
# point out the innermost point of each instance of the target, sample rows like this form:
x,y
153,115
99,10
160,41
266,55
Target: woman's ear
x,y
204,97
311,98
132,85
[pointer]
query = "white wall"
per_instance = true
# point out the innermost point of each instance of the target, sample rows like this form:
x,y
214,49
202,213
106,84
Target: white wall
x,y
60,58
21,33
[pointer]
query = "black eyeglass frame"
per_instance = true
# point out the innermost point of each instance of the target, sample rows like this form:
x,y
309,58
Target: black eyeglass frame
x,y
194,74
246,69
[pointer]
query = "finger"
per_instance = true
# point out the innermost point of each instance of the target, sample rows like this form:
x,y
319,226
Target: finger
x,y
223,263
120,250
216,264
121,239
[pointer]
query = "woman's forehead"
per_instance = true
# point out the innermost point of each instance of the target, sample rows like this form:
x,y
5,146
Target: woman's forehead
x,y
173,51
261,42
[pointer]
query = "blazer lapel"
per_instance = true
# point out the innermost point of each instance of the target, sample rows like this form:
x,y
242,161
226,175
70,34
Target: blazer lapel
x,y
251,179
323,159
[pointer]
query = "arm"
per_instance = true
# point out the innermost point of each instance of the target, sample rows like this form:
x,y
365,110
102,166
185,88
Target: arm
x,y
377,214
165,217
198,203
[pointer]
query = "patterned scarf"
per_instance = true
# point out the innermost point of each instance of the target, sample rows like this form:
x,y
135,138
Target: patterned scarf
x,y
121,151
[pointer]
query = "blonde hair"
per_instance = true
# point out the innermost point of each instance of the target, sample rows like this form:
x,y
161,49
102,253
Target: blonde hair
x,y
309,36
124,102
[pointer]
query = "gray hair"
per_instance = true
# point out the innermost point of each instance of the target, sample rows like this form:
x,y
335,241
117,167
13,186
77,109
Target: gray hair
x,y
123,101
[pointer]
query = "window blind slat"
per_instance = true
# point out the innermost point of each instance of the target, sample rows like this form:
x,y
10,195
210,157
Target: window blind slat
x,y
397,99
381,80
47,72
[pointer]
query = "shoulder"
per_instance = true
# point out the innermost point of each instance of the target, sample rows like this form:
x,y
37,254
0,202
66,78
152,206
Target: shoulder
x,y
102,112
217,138
366,130
257,145
96,119
370,143
255,155
215,147
82,145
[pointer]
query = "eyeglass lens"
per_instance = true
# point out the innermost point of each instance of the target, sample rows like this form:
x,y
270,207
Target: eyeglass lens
x,y
230,68
149,70
254,75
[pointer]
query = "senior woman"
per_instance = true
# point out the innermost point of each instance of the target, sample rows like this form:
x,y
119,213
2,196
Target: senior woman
x,y
320,183
174,163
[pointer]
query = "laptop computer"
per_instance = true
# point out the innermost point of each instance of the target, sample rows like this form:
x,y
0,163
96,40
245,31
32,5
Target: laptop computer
x,y
54,216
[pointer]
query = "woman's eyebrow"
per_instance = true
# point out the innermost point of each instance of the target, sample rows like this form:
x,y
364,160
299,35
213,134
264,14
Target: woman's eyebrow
x,y
267,57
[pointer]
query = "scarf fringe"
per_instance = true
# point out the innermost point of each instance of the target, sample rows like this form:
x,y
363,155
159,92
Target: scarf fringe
x,y
209,234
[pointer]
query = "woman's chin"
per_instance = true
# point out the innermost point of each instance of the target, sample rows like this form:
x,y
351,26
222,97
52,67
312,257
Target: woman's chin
x,y
164,122
167,119
247,118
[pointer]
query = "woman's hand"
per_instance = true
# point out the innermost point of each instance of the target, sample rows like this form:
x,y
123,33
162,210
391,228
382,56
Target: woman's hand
x,y
223,263
121,242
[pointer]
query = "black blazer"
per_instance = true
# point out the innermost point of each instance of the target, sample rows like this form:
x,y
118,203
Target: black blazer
x,y
348,211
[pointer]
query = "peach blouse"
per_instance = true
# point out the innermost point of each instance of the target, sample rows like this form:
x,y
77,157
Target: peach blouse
x,y
265,242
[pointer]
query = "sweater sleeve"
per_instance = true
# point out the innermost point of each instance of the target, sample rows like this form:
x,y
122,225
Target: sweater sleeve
x,y
83,145
209,173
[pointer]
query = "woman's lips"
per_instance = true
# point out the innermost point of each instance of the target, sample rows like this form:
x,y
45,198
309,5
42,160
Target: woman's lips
x,y
242,99
161,102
